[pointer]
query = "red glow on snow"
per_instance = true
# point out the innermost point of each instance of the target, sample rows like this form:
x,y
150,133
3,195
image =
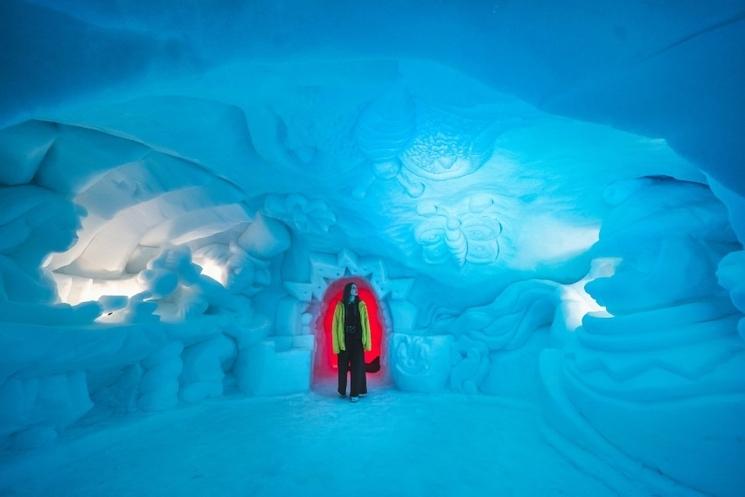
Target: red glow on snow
x,y
326,360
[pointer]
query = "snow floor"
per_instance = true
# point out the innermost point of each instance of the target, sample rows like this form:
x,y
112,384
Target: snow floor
x,y
391,443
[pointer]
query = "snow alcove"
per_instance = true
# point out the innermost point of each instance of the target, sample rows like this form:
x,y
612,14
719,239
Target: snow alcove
x,y
541,204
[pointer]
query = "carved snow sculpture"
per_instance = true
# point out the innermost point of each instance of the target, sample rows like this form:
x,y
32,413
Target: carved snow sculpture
x,y
415,141
33,223
507,323
266,238
187,361
306,216
147,208
205,307
471,365
384,128
241,263
230,265
252,356
657,391
137,198
466,232
421,363
497,345
159,385
449,142
219,323
47,347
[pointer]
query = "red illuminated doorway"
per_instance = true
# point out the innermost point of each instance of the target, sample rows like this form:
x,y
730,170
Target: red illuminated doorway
x,y
325,360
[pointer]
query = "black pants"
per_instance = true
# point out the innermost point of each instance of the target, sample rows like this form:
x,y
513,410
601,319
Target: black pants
x,y
352,358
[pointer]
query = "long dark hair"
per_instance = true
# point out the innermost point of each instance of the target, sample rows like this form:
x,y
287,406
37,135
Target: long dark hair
x,y
348,291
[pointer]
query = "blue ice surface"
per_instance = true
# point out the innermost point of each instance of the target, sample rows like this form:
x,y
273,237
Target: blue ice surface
x,y
545,198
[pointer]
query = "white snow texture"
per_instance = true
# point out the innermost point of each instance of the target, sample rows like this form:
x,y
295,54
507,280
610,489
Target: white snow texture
x,y
535,226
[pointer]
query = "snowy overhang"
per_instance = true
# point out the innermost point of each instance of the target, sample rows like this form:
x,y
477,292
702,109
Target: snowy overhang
x,y
465,187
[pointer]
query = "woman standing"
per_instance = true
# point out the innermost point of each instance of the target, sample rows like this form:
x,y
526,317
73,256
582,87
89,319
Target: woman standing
x,y
351,338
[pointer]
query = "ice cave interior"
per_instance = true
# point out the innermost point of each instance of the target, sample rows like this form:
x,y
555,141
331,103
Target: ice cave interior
x,y
542,204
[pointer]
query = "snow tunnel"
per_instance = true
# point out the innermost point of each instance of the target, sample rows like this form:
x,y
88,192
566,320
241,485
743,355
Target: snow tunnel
x,y
542,204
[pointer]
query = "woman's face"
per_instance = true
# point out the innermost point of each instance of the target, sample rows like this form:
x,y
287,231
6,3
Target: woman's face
x,y
353,290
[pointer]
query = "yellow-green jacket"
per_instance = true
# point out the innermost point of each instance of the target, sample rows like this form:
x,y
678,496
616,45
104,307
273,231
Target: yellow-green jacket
x,y
337,327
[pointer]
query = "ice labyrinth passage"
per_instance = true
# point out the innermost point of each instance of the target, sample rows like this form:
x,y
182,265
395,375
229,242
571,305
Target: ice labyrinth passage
x,y
173,242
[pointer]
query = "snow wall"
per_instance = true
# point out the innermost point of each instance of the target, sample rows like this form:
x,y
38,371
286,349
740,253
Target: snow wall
x,y
545,202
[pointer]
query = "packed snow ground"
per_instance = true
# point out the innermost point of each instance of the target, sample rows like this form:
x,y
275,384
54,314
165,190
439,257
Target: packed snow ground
x,y
390,443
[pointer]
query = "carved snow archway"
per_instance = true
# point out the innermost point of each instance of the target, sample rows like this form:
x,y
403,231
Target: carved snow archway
x,y
326,269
